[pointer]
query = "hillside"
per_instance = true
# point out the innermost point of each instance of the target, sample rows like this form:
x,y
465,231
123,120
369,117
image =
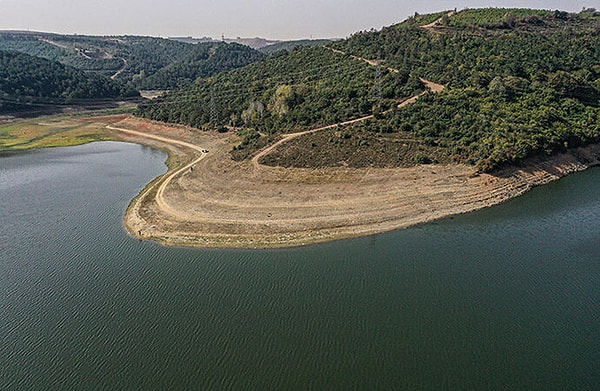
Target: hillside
x,y
202,60
254,43
519,83
32,83
141,62
286,92
291,45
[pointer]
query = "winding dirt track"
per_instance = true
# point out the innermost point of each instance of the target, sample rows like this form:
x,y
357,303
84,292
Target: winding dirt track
x,y
160,192
222,203
431,86
120,70
433,24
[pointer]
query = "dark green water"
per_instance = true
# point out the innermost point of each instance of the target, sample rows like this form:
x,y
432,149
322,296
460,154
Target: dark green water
x,y
507,298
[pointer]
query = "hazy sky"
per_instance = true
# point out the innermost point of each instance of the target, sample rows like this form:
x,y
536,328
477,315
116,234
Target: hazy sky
x,y
277,19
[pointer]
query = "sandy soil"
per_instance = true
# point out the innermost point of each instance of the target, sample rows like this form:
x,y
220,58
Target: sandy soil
x,y
208,200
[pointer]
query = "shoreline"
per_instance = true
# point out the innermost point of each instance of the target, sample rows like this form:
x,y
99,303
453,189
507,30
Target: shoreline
x,y
199,210
207,200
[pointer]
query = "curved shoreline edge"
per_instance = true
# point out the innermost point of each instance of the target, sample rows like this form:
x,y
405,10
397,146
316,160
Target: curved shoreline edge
x,y
200,217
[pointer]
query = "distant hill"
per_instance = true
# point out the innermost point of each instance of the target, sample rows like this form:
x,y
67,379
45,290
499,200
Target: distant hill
x,y
519,83
32,83
290,45
201,60
192,40
263,45
142,62
254,43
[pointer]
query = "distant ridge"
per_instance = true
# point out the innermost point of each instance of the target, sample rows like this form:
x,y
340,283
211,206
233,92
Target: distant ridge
x,y
141,62
192,40
254,43
290,45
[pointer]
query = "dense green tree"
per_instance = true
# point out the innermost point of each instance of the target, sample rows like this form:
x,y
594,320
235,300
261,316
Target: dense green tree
x,y
142,62
308,86
519,82
28,82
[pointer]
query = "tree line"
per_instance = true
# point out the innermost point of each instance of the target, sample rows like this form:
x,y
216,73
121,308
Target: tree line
x,y
143,62
288,91
28,82
520,82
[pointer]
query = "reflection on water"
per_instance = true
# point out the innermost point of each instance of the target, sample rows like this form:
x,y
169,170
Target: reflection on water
x,y
505,298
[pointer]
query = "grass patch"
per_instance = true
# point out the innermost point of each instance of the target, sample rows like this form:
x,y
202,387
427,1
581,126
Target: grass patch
x,y
56,131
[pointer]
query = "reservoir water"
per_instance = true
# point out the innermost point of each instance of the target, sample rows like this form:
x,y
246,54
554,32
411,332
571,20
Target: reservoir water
x,y
501,299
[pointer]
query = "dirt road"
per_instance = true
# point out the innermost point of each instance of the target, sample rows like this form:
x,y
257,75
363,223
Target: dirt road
x,y
223,203
166,181
431,87
120,70
433,24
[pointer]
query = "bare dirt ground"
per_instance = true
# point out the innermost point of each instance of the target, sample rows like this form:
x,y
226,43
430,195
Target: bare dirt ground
x,y
223,203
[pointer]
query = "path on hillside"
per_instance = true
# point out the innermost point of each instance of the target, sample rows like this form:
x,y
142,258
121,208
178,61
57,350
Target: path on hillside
x,y
370,62
166,181
120,70
433,24
58,45
430,87
159,197
291,136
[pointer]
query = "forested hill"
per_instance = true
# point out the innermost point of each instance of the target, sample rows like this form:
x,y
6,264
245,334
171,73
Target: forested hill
x,y
519,82
288,91
141,62
291,45
201,60
32,83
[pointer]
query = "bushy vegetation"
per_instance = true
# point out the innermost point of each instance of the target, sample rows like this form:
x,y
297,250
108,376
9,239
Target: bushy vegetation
x,y
287,91
291,45
520,82
422,20
141,62
28,82
498,17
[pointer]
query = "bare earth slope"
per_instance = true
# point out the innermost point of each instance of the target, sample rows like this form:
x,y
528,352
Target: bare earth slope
x,y
208,200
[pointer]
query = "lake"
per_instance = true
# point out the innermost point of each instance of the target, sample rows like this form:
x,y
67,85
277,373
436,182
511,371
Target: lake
x,y
503,298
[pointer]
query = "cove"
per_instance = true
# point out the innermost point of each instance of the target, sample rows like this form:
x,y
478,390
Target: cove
x,y
503,298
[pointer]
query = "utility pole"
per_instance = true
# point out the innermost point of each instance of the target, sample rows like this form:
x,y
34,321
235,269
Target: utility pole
x,y
214,115
377,85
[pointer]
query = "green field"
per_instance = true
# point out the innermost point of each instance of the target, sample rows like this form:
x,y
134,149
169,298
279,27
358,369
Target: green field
x,y
57,131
